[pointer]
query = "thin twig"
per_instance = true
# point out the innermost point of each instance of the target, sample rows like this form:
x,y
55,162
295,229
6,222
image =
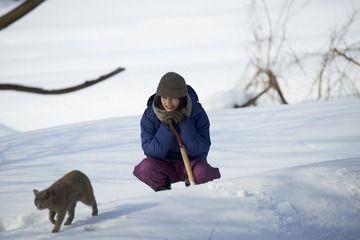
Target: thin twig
x,y
335,50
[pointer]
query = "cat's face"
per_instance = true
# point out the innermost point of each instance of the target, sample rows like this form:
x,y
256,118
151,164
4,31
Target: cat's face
x,y
42,199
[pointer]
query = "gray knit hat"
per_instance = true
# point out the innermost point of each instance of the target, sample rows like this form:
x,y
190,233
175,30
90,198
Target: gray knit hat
x,y
172,85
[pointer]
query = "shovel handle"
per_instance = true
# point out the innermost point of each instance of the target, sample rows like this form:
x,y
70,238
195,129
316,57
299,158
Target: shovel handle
x,y
184,155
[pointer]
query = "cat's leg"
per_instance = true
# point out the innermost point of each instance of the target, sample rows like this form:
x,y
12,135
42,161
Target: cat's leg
x,y
51,216
94,208
71,214
59,219
90,201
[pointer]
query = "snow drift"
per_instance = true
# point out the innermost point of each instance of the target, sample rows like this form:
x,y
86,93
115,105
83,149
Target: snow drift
x,y
289,172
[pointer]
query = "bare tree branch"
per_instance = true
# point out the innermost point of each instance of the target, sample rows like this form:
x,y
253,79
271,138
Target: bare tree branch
x,y
273,82
270,34
282,22
335,50
22,88
253,100
18,12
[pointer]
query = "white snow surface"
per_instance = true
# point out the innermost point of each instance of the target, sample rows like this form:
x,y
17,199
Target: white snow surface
x,y
289,172
4,130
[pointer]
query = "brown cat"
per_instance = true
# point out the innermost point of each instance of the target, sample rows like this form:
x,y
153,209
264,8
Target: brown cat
x,y
63,195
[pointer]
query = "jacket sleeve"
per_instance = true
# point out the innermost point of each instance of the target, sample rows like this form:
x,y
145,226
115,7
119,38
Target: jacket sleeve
x,y
155,141
195,134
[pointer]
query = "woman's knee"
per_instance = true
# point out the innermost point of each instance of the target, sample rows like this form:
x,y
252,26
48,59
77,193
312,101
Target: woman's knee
x,y
153,172
203,172
145,164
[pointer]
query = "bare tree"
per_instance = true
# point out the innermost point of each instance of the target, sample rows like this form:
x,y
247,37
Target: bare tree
x,y
272,57
338,74
267,56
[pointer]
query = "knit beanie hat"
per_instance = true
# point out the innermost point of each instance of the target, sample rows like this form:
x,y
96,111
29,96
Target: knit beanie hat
x,y
172,85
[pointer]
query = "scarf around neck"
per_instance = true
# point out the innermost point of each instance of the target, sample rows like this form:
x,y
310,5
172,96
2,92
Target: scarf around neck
x,y
160,113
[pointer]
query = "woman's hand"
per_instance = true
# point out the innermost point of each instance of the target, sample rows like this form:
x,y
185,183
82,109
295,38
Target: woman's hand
x,y
174,117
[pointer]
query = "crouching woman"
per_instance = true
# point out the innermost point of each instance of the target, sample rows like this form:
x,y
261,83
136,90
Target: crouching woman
x,y
177,103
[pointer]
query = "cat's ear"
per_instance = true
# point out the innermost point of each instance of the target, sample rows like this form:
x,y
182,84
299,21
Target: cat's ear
x,y
36,192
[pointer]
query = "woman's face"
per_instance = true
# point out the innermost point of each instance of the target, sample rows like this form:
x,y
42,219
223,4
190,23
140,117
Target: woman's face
x,y
170,104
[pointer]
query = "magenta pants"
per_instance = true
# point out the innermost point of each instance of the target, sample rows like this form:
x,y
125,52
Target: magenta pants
x,y
156,173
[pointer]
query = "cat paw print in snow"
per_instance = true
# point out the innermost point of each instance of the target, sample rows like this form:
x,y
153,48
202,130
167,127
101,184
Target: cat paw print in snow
x,y
91,228
229,189
244,194
220,186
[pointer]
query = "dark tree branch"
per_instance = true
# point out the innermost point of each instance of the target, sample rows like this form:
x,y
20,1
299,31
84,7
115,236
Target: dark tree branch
x,y
18,12
253,100
335,50
22,88
273,82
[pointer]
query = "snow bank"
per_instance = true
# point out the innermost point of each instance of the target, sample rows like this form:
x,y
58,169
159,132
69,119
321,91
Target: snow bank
x,y
4,130
227,99
288,172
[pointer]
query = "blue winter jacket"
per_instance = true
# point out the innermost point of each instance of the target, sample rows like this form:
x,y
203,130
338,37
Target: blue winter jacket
x,y
158,141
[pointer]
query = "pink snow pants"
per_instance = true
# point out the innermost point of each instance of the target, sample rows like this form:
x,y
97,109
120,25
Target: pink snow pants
x,y
156,173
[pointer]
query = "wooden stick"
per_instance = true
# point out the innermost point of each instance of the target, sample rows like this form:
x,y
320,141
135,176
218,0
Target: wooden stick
x,y
184,155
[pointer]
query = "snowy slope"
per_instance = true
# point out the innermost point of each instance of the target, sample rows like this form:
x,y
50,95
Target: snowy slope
x,y
4,130
288,172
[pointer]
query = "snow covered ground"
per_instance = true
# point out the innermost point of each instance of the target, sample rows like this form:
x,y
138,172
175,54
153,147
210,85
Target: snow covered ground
x,y
4,130
289,172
